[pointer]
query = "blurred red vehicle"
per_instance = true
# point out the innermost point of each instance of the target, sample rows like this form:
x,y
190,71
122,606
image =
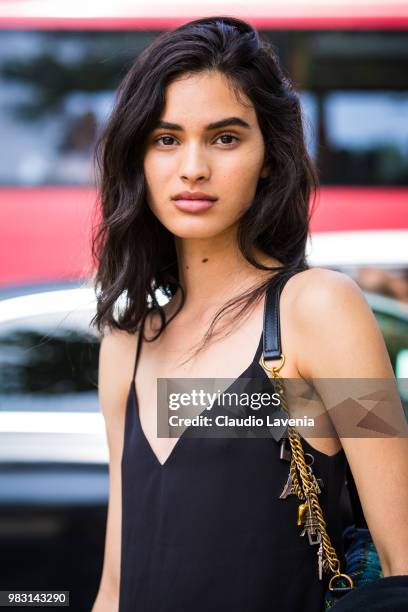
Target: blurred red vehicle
x,y
61,62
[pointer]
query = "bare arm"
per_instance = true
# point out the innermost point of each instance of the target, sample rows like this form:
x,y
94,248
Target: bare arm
x,y
115,367
340,338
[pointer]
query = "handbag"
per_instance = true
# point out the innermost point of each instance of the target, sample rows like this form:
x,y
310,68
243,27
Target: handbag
x,y
362,564
362,561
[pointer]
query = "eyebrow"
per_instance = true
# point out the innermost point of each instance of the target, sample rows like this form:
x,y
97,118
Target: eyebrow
x,y
211,126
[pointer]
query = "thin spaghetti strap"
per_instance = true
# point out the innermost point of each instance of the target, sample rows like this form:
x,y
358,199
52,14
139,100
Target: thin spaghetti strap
x,y
259,349
139,343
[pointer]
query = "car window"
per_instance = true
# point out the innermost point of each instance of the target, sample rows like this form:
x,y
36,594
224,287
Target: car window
x,y
395,332
49,359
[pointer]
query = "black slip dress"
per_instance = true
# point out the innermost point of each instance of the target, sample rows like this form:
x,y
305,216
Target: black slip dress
x,y
206,531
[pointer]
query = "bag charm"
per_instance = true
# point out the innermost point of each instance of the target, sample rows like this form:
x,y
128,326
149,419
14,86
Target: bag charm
x,y
304,484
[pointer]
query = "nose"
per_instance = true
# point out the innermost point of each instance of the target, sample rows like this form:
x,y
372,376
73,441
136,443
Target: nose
x,y
194,164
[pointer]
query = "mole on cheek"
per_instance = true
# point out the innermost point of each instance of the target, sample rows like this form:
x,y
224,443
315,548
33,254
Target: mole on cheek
x,y
205,259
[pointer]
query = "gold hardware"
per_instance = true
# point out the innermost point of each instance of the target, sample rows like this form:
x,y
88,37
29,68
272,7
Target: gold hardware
x,y
305,485
301,513
338,575
274,371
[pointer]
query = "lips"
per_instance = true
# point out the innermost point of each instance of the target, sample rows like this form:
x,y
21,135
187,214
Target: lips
x,y
193,205
194,195
193,201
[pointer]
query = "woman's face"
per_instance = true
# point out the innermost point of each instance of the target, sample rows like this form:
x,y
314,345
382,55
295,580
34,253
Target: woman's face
x,y
192,156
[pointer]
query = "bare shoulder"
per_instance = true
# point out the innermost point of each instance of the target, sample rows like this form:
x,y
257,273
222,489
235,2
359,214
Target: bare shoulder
x,y
117,349
116,358
322,283
338,335
319,293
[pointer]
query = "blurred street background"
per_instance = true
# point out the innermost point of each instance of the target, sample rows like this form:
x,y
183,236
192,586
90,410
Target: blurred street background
x,y
60,63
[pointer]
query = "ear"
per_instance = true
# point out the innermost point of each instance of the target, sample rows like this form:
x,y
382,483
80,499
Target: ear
x,y
265,171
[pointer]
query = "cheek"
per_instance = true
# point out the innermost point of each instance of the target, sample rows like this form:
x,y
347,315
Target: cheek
x,y
155,169
241,178
246,162
158,174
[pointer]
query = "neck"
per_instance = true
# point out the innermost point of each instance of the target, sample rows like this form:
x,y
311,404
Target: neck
x,y
212,271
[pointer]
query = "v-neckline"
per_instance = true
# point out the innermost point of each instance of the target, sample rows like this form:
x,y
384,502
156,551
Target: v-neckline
x,y
163,465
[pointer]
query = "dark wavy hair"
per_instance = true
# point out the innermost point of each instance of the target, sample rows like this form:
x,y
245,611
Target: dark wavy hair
x,y
134,253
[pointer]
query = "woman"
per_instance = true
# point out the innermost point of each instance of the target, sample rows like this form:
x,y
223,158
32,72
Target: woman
x,y
205,193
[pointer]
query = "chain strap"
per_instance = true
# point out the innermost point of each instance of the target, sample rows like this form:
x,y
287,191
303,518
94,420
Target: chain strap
x,y
305,488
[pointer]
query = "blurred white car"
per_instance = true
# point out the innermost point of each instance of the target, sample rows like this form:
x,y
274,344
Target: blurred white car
x,y
53,449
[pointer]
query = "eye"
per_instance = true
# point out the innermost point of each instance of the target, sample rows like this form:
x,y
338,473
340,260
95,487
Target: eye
x,y
167,137
227,135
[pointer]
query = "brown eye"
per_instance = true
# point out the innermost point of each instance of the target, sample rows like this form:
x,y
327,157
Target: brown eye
x,y
165,138
226,135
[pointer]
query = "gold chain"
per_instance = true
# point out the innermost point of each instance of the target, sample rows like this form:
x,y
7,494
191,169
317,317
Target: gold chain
x,y
306,487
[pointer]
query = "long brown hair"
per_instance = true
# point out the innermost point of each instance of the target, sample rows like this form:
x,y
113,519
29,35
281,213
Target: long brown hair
x,y
134,253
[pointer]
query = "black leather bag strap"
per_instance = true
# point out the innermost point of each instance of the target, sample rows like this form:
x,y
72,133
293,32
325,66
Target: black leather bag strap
x,y
272,349
271,326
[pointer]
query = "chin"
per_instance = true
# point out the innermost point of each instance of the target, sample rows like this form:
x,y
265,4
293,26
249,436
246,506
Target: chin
x,y
195,227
